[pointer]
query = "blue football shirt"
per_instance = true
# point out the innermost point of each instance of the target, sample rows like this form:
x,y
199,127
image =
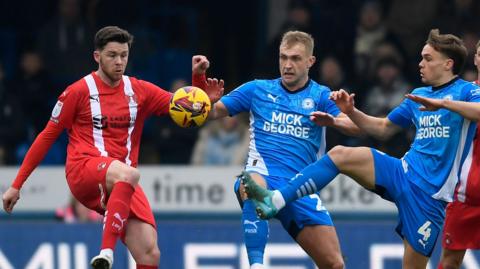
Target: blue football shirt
x,y
442,138
283,140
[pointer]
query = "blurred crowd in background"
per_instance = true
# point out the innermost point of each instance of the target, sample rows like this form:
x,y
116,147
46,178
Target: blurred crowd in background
x,y
368,47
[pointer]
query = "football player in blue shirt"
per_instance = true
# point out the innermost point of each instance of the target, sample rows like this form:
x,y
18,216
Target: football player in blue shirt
x,y
422,182
284,139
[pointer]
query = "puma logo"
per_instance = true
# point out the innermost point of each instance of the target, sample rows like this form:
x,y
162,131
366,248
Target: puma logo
x,y
254,223
95,98
118,226
274,98
422,243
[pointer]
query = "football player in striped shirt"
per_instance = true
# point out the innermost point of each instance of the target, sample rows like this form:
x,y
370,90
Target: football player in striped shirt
x,y
103,114
460,231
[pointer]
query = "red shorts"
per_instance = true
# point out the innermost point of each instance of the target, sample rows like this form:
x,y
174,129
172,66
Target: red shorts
x,y
461,227
87,182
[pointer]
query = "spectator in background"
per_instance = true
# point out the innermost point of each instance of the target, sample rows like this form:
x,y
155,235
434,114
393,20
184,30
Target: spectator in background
x,y
12,125
388,91
371,32
298,18
63,43
33,84
381,51
410,21
389,88
222,142
331,74
335,23
75,212
470,39
458,15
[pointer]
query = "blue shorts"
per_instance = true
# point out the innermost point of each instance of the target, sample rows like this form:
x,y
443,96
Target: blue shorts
x,y
420,216
299,213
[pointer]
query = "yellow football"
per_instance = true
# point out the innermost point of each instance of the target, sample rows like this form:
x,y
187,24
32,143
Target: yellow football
x,y
189,107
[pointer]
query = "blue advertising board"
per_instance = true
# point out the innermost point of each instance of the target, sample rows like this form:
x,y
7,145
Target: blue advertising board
x,y
198,244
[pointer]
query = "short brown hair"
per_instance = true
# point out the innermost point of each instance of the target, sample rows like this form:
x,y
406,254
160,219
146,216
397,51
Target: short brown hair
x,y
450,46
291,38
112,34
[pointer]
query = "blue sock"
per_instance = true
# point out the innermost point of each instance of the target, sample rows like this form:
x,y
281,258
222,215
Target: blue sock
x,y
310,180
255,232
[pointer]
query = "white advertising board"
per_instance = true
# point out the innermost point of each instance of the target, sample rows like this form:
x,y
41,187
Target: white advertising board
x,y
186,189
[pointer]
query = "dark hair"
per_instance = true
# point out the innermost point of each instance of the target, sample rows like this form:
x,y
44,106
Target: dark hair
x,y
112,34
450,46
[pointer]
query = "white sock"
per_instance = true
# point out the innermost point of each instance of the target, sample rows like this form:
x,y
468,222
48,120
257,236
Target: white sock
x,y
257,266
277,199
107,252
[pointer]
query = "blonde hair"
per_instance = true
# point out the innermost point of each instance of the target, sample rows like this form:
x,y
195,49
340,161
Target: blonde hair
x,y
291,38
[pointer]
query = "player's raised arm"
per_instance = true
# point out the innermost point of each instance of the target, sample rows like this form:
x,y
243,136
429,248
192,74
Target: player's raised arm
x,y
380,128
468,110
342,123
212,86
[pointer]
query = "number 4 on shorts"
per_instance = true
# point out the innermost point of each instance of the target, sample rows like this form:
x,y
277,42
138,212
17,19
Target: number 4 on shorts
x,y
425,230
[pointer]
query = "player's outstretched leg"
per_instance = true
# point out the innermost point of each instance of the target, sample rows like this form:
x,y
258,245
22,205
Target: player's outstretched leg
x,y
260,196
104,260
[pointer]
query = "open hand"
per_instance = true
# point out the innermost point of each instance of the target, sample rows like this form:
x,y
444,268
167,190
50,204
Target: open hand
x,y
344,100
214,89
322,118
427,104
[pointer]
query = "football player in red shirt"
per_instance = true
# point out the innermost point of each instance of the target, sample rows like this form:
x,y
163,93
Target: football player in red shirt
x,y
104,113
460,231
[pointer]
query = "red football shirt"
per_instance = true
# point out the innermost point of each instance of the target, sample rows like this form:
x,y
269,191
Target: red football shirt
x,y
467,190
100,121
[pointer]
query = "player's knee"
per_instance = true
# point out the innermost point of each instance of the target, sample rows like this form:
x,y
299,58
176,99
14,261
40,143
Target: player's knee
x,y
338,264
451,264
333,264
154,254
330,262
149,254
451,261
339,152
131,175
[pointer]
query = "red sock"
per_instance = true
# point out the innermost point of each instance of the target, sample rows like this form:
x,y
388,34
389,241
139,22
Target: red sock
x,y
118,209
440,265
139,266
